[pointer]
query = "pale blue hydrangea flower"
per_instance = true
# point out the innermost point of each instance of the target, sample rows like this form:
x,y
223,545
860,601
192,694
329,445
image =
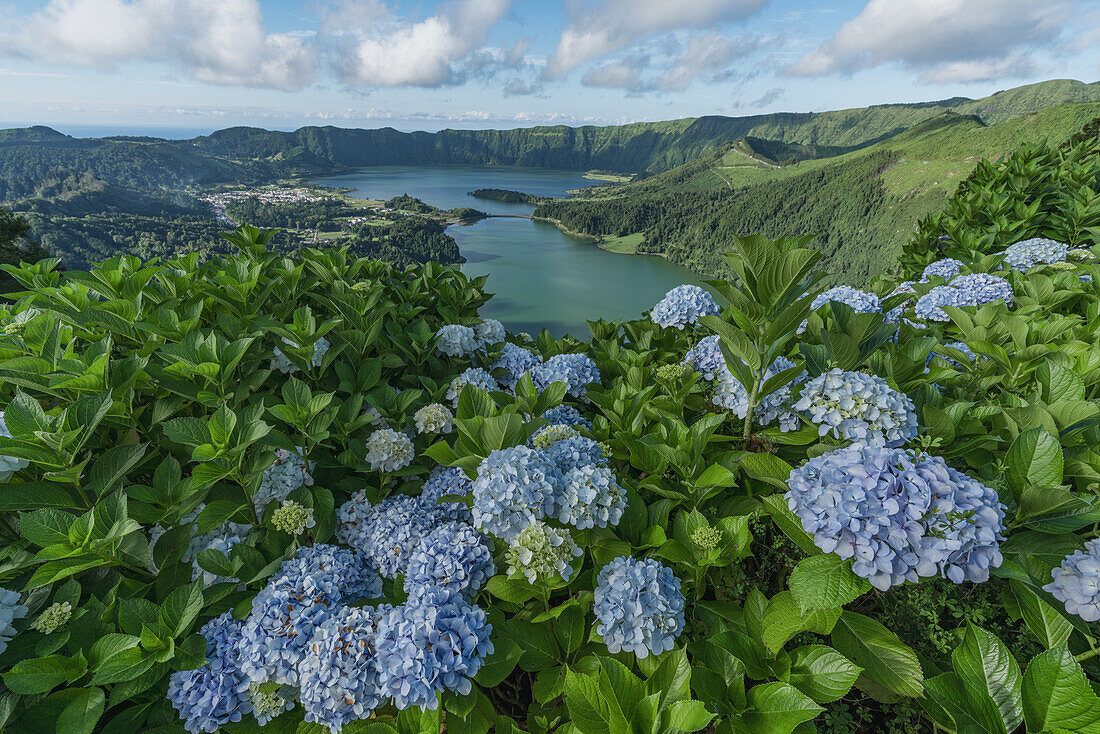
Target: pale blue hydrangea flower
x,y
683,305
434,418
859,301
456,340
930,305
893,316
514,486
387,532
218,692
515,361
448,481
453,556
9,465
566,415
898,515
288,473
707,359
577,371
473,376
434,644
389,450
981,288
281,363
947,269
590,497
1035,251
1076,582
858,407
542,551
10,610
550,434
300,596
574,452
639,606
730,394
222,538
489,331
339,680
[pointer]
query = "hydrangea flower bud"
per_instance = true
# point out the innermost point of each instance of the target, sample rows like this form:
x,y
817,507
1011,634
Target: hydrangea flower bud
x,y
542,551
389,450
56,616
269,701
293,518
639,606
547,436
434,418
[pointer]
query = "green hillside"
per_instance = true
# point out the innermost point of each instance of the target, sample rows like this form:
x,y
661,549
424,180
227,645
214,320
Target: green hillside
x,y
862,204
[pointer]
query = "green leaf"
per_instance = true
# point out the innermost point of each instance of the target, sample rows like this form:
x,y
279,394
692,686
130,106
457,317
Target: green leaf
x,y
39,675
672,678
181,608
822,673
885,659
788,522
688,715
1042,620
82,713
1034,460
777,708
987,667
1057,695
46,527
826,581
783,619
109,469
109,645
126,665
586,704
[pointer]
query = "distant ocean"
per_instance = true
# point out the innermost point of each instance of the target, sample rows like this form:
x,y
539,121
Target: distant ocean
x,y
104,131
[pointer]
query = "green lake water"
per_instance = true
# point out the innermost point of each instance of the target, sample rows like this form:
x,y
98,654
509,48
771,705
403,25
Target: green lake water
x,y
540,276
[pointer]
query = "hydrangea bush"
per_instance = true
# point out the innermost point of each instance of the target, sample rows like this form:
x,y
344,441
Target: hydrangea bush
x,y
698,520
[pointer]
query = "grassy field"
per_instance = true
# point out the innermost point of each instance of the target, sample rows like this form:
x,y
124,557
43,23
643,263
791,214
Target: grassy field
x,y
609,177
626,245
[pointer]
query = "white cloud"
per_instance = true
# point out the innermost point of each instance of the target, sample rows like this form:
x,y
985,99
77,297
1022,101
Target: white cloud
x,y
683,61
615,24
621,74
946,40
768,97
380,50
710,53
218,41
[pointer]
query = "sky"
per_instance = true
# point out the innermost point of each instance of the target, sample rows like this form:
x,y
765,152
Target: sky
x,y
282,64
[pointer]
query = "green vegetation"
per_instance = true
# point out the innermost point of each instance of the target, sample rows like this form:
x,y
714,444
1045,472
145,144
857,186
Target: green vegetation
x,y
405,241
323,214
863,204
505,196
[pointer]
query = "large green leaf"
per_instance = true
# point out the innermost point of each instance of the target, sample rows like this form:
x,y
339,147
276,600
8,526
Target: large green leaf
x,y
826,581
1034,460
1057,695
885,659
1042,620
777,708
783,619
822,673
988,670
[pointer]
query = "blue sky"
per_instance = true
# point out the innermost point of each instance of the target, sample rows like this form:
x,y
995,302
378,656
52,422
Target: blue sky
x,y
508,63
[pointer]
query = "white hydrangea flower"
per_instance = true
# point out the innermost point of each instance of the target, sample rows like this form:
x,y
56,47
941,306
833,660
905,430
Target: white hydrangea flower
x,y
388,450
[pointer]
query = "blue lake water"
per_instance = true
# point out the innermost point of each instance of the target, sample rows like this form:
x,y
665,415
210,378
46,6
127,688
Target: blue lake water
x,y
541,277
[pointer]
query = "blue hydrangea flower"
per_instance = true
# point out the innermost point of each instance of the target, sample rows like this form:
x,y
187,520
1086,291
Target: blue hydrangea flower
x,y
574,452
515,361
1035,251
281,363
301,595
858,407
893,316
218,692
577,371
930,305
706,358
339,680
10,610
1076,582
9,465
389,450
639,606
898,515
445,481
590,497
434,644
288,473
489,331
566,415
683,305
981,288
387,532
947,269
456,340
514,486
473,376
453,556
730,394
860,301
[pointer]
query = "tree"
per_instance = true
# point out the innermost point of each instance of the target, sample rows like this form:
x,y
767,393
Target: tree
x,y
16,247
